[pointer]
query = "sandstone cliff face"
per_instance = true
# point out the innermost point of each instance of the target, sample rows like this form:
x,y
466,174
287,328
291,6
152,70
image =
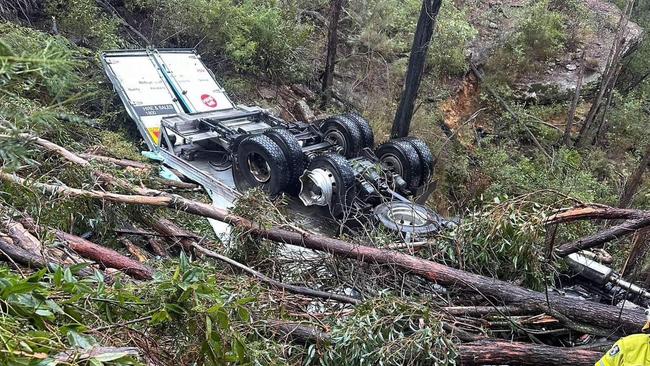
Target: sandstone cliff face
x,y
554,79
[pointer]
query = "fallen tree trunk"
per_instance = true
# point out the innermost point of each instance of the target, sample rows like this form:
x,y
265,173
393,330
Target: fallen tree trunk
x,y
626,228
483,352
606,316
297,333
524,354
490,310
13,253
100,254
595,212
22,237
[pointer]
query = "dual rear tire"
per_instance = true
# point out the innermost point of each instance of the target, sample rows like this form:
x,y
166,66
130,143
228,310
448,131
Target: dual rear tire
x,y
410,158
350,132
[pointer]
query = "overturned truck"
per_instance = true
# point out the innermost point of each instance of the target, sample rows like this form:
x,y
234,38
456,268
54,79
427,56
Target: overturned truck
x,y
188,121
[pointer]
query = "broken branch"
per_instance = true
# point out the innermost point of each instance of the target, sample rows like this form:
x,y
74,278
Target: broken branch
x,y
105,256
626,228
619,320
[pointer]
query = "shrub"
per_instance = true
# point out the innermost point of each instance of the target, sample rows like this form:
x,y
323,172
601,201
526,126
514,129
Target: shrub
x,y
447,52
542,33
262,37
390,331
84,21
503,239
383,26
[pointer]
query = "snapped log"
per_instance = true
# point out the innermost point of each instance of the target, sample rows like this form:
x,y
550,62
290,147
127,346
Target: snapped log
x,y
619,321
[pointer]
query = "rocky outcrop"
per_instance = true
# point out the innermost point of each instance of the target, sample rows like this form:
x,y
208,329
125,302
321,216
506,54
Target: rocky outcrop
x,y
554,79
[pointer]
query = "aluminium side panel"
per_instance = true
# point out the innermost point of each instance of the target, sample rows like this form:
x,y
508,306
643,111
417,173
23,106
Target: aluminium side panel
x,y
143,90
192,81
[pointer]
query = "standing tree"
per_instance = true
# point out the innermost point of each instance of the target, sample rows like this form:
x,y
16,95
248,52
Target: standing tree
x,y
417,61
608,81
332,42
634,181
566,139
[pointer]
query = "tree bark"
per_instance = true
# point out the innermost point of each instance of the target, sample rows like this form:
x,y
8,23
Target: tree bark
x,y
490,310
606,85
13,253
22,237
626,228
417,61
634,182
332,42
595,212
482,352
620,321
125,163
640,245
566,139
524,354
298,333
100,254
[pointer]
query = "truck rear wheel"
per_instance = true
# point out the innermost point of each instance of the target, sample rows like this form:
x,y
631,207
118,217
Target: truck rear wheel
x,y
293,153
343,132
401,158
261,163
329,181
426,158
367,136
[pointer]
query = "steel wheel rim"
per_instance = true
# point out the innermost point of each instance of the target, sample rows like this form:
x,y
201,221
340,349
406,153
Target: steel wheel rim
x,y
259,168
335,137
393,163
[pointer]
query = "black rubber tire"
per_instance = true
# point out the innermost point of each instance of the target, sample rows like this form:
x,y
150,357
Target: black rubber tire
x,y
350,132
408,158
273,156
294,154
427,162
367,136
346,189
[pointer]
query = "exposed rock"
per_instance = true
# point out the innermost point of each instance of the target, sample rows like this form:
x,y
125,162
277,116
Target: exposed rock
x,y
303,111
303,91
554,81
266,93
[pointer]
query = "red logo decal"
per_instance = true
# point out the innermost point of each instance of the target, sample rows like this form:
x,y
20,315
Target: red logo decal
x,y
209,100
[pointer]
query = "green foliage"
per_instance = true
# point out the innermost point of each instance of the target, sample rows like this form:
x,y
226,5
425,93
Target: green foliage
x,y
35,328
390,331
383,26
578,21
542,32
206,317
387,27
629,121
570,173
40,80
86,22
262,37
453,34
36,65
254,205
503,240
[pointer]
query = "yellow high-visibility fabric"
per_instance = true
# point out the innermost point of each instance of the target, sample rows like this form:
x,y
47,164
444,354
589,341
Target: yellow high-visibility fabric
x,y
633,350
